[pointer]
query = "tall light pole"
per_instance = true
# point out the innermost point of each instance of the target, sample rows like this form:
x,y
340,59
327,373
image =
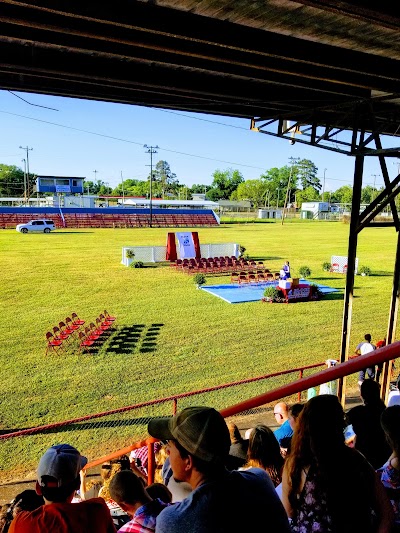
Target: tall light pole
x,y
323,186
26,184
293,161
151,150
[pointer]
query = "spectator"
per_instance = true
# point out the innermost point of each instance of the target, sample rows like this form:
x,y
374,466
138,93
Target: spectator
x,y
366,421
379,368
394,395
238,450
116,465
27,500
281,413
362,349
57,481
293,414
160,491
390,471
326,486
127,489
179,489
264,452
91,489
198,445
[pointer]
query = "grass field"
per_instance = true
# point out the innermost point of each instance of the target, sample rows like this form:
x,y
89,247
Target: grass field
x,y
201,340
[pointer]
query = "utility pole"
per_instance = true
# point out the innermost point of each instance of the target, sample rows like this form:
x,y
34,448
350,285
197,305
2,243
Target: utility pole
x,y
151,150
24,162
26,181
374,176
293,161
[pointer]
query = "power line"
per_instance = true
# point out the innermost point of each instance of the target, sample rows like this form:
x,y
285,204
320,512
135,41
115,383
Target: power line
x,y
128,141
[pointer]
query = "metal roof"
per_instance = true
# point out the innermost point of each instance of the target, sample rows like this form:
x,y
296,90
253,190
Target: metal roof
x,y
309,61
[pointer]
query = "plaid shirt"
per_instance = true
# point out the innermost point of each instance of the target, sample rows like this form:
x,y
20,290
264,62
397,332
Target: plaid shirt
x,y
144,520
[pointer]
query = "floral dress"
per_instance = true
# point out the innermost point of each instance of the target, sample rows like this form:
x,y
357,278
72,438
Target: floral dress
x,y
390,478
311,515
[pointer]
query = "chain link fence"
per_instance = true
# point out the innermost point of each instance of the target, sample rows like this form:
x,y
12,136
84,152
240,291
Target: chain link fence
x,y
98,435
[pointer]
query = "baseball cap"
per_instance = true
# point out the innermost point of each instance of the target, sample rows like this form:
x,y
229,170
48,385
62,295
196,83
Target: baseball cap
x,y
202,431
61,462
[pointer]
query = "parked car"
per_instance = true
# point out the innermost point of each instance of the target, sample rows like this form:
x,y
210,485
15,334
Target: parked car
x,y
42,226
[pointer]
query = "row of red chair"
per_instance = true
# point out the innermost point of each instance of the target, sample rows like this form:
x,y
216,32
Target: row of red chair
x,y
253,276
63,335
96,331
216,265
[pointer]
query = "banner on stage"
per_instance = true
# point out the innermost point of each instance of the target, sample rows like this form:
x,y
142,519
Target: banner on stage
x,y
186,245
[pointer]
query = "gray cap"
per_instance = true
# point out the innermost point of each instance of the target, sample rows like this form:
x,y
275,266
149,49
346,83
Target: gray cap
x,y
62,463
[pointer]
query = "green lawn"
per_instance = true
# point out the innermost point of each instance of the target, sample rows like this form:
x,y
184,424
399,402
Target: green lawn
x,y
201,340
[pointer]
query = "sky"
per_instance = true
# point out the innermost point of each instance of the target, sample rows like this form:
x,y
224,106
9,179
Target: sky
x,y
78,137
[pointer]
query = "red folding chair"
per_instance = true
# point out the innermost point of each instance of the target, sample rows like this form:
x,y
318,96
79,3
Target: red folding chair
x,y
70,324
60,335
102,325
109,317
76,320
52,343
65,329
91,334
84,342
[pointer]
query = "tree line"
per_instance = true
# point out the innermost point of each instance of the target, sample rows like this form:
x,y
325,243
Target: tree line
x,y
294,183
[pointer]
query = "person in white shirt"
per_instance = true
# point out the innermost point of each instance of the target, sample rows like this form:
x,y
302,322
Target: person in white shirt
x,y
394,395
362,349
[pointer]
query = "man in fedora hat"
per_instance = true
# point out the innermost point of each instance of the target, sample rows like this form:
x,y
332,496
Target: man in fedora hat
x,y
198,444
57,480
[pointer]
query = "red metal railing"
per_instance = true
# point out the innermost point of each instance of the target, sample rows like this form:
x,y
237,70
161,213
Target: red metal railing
x,y
355,364
174,399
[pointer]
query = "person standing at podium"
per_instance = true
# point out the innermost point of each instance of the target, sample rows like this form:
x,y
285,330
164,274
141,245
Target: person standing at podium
x,y
285,272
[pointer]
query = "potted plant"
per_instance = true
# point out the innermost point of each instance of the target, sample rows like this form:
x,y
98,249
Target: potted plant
x,y
326,267
199,279
271,294
365,270
305,271
130,255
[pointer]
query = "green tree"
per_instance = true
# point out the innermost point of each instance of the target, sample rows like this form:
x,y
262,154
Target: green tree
x,y
306,195
12,181
224,183
253,190
277,179
306,173
368,194
343,195
164,180
93,187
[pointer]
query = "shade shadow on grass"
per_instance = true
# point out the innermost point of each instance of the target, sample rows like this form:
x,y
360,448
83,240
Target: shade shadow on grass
x,y
128,339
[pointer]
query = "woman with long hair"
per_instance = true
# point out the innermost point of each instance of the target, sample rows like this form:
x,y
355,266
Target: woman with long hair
x,y
264,452
390,471
326,486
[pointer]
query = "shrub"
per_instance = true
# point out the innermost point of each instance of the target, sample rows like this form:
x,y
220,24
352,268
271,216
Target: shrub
x,y
316,292
242,249
305,271
137,264
199,279
130,254
326,267
365,270
273,294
